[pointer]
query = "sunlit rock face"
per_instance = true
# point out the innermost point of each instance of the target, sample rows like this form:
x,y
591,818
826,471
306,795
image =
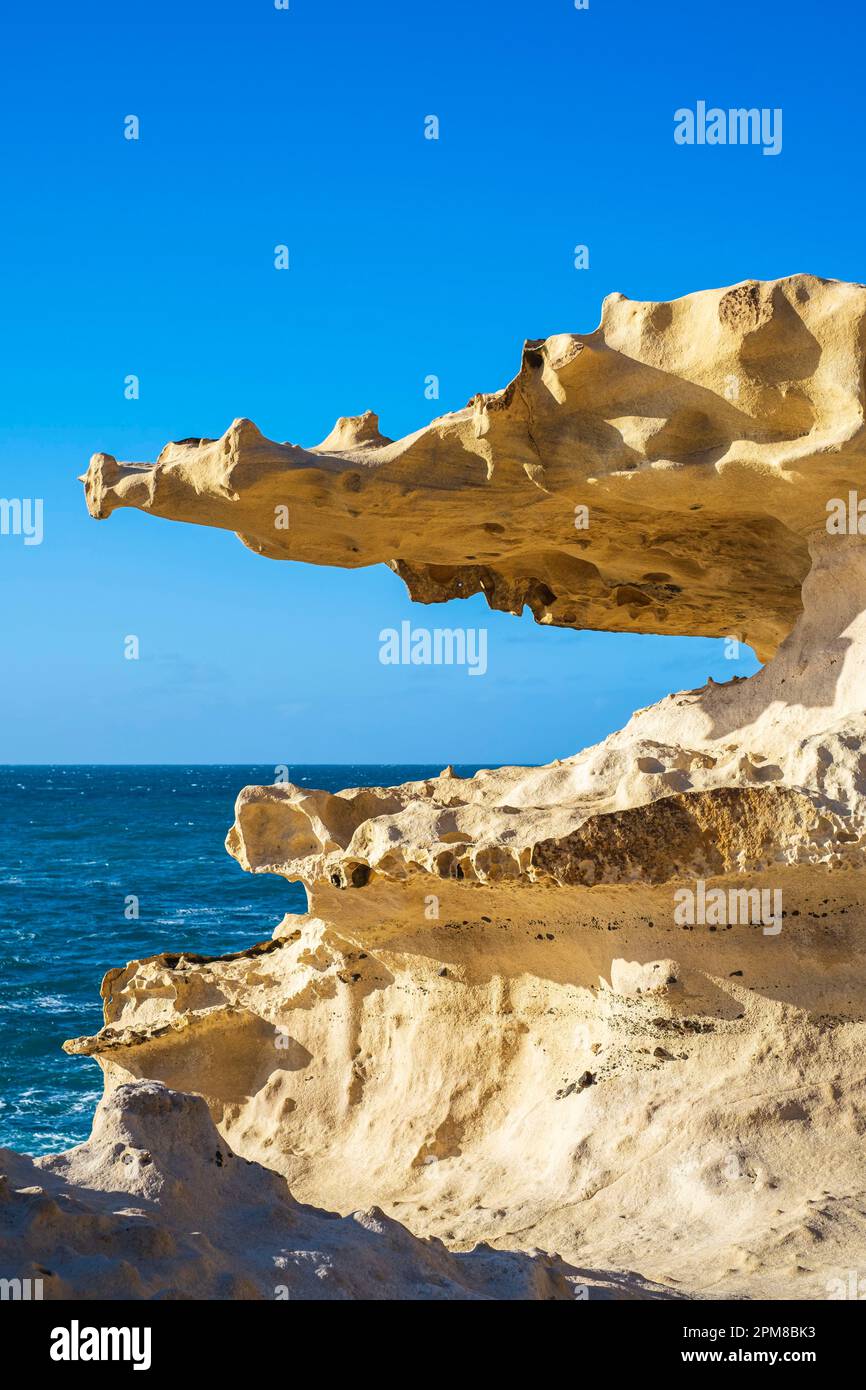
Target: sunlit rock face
x,y
613,1007
661,474
156,1205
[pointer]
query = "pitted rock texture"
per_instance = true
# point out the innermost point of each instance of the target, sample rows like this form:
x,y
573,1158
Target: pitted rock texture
x,y
156,1205
744,777
703,435
494,1022
563,1069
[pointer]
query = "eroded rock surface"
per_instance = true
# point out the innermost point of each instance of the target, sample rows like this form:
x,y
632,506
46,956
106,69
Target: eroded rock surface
x,y
497,1021
704,436
156,1205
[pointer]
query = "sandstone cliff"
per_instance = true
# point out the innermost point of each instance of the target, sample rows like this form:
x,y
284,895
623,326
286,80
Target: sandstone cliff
x,y
156,1205
704,437
496,1021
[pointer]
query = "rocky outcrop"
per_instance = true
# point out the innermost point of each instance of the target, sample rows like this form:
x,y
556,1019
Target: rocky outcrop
x,y
156,1205
613,1007
742,777
661,474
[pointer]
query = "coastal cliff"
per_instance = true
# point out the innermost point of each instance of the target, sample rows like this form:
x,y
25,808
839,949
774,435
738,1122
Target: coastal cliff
x,y
615,1007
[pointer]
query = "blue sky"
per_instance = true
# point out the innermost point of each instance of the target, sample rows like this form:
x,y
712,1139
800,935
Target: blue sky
x,y
408,257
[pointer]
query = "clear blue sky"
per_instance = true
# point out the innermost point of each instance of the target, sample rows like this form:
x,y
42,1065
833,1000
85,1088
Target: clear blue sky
x,y
409,257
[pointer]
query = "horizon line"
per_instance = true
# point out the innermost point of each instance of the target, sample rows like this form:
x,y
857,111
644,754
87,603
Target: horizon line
x,y
408,762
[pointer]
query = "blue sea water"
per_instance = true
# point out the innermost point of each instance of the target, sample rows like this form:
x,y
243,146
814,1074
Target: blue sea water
x,y
76,843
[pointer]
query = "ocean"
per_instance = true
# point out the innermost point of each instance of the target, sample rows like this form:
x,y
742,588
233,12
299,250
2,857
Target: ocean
x,y
79,842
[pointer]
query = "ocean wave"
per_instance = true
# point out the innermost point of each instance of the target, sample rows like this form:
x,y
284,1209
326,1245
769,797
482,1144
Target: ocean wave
x,y
65,927
56,1003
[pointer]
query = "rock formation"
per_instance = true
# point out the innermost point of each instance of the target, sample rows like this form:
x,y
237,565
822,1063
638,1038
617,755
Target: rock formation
x,y
157,1205
704,437
614,1007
